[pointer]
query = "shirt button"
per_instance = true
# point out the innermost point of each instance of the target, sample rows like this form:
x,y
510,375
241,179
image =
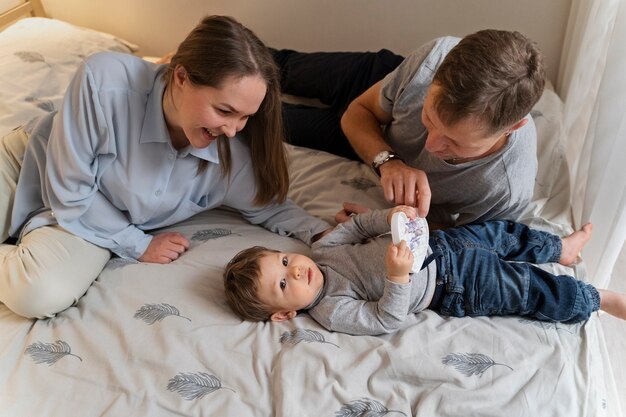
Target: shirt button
x,y
157,193
171,156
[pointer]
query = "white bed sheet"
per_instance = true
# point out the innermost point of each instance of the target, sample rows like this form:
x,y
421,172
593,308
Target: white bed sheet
x,y
159,340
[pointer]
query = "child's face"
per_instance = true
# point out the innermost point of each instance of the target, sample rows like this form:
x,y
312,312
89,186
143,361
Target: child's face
x,y
288,282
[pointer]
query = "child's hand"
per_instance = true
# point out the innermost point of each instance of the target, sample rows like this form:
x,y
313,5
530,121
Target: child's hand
x,y
398,261
411,212
349,210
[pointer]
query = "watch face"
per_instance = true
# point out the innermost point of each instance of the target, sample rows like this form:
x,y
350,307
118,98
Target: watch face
x,y
380,158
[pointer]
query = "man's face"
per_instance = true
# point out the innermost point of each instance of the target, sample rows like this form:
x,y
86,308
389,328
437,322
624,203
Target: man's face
x,y
464,140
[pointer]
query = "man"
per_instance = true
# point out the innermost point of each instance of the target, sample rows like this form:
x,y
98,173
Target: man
x,y
449,130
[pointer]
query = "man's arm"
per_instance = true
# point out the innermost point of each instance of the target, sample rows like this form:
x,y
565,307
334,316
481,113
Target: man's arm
x,y
361,124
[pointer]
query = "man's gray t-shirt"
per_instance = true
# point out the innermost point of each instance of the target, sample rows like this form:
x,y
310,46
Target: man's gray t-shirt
x,y
499,186
357,297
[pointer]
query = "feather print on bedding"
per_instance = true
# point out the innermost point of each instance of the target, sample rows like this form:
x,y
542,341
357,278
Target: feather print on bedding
x,y
151,313
49,353
30,56
365,407
192,386
360,184
470,363
207,234
45,105
303,335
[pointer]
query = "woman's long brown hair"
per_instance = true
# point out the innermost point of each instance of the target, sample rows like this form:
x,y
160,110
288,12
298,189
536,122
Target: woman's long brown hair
x,y
220,48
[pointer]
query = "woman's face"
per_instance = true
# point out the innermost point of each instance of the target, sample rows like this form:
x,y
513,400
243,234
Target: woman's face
x,y
201,113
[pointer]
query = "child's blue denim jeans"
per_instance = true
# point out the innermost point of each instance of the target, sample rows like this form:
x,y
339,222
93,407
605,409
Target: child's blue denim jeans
x,y
486,269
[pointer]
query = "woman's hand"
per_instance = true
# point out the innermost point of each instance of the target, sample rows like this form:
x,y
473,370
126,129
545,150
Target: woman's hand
x,y
165,248
398,261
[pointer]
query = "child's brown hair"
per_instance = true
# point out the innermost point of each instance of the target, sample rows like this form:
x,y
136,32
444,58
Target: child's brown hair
x,y
240,283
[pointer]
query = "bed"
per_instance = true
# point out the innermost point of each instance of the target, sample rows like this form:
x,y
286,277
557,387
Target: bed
x,y
159,340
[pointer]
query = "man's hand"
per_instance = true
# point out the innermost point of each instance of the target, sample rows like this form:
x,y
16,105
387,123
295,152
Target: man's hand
x,y
165,248
399,261
405,185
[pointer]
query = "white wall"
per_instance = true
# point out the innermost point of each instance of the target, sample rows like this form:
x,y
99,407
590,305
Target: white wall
x,y
157,26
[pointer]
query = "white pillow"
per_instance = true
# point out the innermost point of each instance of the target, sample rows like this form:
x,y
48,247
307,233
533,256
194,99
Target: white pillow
x,y
38,57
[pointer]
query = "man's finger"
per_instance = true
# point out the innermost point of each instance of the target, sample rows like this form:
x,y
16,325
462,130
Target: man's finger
x,y
423,196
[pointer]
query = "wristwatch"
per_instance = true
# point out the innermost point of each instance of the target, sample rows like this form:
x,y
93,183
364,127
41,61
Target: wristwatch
x,y
382,158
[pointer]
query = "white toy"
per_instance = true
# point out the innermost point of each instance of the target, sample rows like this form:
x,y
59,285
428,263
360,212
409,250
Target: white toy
x,y
414,232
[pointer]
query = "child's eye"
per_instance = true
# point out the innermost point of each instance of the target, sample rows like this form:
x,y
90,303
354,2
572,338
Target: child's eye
x,y
283,284
284,260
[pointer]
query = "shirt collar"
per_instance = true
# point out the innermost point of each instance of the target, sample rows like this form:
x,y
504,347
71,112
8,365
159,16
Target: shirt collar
x,y
208,154
154,128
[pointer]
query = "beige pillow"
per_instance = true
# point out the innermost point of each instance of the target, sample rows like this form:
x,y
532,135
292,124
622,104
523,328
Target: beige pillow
x,y
38,57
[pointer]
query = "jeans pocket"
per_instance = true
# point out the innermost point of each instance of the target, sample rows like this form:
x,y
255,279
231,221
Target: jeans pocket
x,y
453,303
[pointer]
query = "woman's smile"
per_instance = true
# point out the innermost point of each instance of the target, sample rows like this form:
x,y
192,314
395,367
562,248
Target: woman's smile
x,y
209,135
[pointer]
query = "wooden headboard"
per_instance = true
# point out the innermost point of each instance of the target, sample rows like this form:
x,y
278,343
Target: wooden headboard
x,y
25,8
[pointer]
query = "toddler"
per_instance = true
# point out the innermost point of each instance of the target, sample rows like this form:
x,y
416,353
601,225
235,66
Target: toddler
x,y
358,282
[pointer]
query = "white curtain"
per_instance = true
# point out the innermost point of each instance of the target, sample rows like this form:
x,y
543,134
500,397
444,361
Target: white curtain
x,y
592,83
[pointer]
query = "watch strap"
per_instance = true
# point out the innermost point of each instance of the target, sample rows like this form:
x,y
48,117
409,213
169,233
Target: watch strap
x,y
376,165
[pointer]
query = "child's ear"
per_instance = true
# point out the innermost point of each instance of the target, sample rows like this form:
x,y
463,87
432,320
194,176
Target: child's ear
x,y
283,315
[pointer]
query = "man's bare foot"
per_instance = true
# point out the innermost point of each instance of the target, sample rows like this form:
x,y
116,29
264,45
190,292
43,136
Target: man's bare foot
x,y
573,244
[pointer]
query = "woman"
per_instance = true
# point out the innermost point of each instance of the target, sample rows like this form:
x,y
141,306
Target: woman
x,y
136,147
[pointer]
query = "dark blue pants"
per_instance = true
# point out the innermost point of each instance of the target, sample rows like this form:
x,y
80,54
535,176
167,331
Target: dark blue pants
x,y
334,78
487,269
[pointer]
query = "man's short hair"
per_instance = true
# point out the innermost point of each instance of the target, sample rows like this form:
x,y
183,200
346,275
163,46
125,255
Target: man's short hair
x,y
494,76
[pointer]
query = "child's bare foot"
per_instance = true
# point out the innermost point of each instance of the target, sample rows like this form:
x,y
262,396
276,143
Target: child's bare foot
x,y
613,303
573,244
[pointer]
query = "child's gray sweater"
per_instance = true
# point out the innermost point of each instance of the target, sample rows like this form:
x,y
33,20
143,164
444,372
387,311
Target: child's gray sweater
x,y
357,297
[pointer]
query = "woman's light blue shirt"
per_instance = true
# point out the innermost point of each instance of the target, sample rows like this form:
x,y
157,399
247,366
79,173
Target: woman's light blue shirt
x,y
103,167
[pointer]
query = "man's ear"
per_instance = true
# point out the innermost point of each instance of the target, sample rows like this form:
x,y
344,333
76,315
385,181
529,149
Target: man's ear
x,y
283,315
518,125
